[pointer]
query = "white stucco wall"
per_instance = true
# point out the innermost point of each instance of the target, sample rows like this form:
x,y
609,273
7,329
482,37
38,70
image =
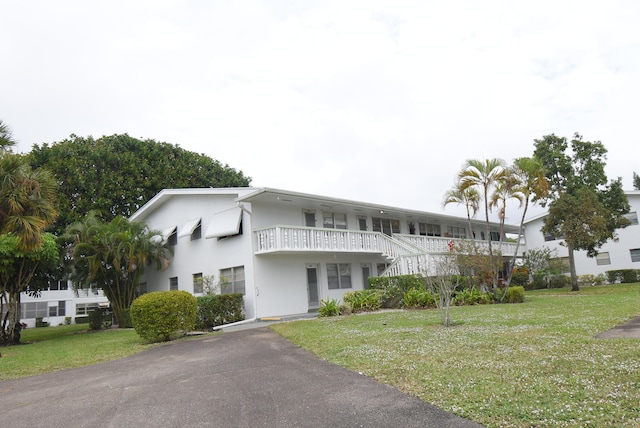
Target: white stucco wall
x,y
629,238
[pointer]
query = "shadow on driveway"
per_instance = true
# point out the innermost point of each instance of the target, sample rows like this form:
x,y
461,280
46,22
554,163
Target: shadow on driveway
x,y
248,378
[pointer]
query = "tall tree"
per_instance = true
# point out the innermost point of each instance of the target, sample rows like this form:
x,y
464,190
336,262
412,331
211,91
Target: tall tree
x,y
113,255
636,181
26,210
506,188
18,267
584,209
117,174
531,185
6,138
484,175
468,197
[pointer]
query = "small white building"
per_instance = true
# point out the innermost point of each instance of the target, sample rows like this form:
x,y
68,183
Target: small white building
x,y
59,304
623,254
287,251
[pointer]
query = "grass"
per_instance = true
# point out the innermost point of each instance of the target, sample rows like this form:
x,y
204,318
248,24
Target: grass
x,y
48,349
535,364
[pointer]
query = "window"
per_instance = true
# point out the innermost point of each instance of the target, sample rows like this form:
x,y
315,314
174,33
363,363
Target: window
x,y
141,289
173,283
386,225
310,218
338,275
632,217
232,280
35,310
603,259
84,308
362,223
197,283
173,238
495,236
456,232
334,220
635,255
429,229
58,310
197,232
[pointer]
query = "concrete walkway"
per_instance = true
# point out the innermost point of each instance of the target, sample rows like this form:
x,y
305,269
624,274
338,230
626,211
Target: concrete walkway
x,y
246,378
628,330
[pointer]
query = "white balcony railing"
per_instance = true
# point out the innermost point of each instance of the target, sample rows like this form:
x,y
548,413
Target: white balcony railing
x,y
436,244
293,238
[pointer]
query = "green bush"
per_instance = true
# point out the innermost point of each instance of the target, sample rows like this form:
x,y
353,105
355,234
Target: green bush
x,y
364,300
515,294
472,297
600,279
394,287
82,320
415,298
558,281
125,318
99,319
329,308
159,315
40,323
219,309
520,278
624,276
587,279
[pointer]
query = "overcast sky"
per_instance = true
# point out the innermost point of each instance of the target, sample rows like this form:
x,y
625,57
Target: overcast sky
x,y
374,101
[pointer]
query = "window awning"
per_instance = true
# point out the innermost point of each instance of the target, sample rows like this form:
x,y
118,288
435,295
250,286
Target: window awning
x,y
189,227
164,235
225,223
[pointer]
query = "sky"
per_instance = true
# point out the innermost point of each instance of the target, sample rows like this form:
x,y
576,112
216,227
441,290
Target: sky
x,y
375,101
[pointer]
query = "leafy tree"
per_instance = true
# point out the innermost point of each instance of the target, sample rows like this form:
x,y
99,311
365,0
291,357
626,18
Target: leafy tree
x,y
485,176
636,181
468,197
584,210
113,256
18,267
530,185
117,174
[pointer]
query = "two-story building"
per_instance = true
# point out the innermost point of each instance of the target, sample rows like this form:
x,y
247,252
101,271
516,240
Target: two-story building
x,y
286,251
623,254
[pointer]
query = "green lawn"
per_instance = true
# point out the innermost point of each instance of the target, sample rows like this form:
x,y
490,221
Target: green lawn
x,y
523,365
56,348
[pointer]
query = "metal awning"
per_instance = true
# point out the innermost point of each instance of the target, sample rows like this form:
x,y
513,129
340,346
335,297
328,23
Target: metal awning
x,y
225,223
189,227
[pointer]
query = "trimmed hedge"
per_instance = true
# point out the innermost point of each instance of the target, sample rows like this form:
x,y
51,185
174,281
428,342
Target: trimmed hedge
x,y
219,309
159,315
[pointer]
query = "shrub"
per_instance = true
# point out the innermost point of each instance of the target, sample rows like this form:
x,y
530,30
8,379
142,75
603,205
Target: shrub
x,y
329,308
472,297
520,278
82,320
364,300
624,276
40,323
99,319
600,279
587,279
159,315
515,294
67,320
415,298
219,309
558,281
394,287
125,318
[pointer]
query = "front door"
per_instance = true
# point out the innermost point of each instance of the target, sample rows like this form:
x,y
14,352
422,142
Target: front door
x,y
312,287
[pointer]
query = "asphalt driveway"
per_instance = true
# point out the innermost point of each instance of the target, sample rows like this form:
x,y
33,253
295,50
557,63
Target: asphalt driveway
x,y
248,378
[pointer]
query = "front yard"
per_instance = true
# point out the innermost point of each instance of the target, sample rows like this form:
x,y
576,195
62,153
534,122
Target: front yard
x,y
520,365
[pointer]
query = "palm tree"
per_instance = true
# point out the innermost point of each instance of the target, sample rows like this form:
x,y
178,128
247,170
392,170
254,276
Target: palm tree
x,y
26,209
484,175
469,198
506,188
6,138
113,255
531,185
